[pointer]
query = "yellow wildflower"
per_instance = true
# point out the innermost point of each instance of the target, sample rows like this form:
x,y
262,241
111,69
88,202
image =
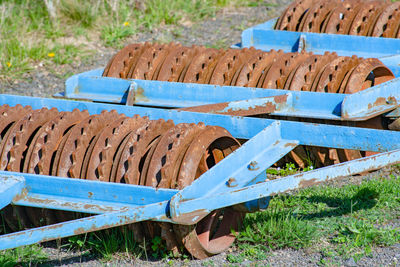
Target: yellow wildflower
x,y
126,23
51,54
8,64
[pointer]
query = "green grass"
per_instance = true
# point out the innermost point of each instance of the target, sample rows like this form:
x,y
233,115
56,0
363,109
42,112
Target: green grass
x,y
337,222
29,34
345,222
25,256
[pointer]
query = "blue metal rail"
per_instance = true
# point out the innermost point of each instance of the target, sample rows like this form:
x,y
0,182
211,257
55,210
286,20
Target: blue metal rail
x,y
264,37
359,106
240,177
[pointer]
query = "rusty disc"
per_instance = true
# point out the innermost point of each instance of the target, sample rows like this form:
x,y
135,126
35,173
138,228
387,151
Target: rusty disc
x,y
278,73
169,171
316,16
252,71
341,17
308,70
47,140
333,74
392,25
243,60
101,158
292,16
369,72
79,139
124,60
175,63
381,23
154,177
365,18
150,61
213,234
227,66
135,150
201,67
19,137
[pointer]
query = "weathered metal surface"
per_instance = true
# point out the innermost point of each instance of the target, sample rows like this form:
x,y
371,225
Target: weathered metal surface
x,y
288,183
255,106
215,180
10,186
325,106
84,225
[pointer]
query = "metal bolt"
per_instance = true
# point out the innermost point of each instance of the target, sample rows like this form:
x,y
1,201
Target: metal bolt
x,y
253,166
231,182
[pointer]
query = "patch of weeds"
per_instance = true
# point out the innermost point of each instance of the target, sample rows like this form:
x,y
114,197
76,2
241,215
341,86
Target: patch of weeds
x,y
158,247
114,34
249,252
356,234
107,243
65,54
27,255
84,13
342,222
289,169
208,263
277,228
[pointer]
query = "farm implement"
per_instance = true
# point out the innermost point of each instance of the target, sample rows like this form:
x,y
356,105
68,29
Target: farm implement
x,y
175,141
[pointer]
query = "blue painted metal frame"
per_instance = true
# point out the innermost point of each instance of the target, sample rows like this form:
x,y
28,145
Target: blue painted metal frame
x,y
115,204
360,106
239,178
263,36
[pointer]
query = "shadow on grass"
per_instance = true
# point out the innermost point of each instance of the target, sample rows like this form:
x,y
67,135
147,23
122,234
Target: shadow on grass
x,y
365,198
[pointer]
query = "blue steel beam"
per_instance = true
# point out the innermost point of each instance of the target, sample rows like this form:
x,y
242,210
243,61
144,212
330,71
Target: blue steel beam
x,y
84,225
367,103
312,134
237,170
240,127
10,186
282,185
264,36
77,195
196,208
372,101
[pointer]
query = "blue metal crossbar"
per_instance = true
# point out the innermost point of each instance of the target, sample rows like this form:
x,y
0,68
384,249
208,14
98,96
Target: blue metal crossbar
x,y
239,127
360,106
264,37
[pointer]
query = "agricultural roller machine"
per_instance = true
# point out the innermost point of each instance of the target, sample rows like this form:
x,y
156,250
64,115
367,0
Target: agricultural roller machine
x,y
185,135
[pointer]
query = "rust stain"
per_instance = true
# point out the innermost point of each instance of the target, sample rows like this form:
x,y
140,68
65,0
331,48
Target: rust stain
x,y
290,144
139,95
90,194
307,183
279,99
188,218
221,108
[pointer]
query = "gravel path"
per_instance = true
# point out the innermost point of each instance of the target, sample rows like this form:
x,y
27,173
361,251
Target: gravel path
x,y
221,31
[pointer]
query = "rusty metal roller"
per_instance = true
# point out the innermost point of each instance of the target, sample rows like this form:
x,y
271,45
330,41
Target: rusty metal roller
x,y
352,17
114,148
273,69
